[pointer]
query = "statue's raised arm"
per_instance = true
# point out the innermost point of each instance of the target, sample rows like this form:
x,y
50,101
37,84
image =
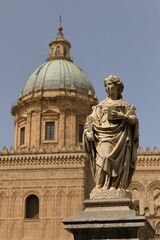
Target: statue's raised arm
x,y
111,138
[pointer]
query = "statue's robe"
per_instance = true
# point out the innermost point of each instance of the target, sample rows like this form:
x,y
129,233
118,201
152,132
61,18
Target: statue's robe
x,y
114,149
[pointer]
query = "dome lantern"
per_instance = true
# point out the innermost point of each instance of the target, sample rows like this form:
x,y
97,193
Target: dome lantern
x,y
60,47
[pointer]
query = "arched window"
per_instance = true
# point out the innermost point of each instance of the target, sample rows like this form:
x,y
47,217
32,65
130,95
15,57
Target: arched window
x,y
58,51
32,207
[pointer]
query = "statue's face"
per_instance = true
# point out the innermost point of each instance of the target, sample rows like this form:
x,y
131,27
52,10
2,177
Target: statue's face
x,y
111,88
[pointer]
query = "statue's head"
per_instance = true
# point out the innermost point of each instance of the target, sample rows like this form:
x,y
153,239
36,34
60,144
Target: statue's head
x,y
117,82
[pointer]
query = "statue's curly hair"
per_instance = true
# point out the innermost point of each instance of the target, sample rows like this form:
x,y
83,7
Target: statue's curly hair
x,y
117,82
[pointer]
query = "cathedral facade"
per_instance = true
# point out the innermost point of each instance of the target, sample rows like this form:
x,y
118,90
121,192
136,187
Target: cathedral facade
x,y
45,176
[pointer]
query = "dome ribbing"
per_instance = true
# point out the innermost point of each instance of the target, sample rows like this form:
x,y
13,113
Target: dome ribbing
x,y
56,75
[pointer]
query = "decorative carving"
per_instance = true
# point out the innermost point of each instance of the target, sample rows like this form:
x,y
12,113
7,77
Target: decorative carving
x,y
47,204
3,205
147,161
33,149
152,186
140,150
148,150
25,149
16,205
136,185
72,204
39,160
155,150
5,150
61,203
12,150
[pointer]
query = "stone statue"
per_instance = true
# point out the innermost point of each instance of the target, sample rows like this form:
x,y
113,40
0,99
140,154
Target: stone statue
x,y
111,139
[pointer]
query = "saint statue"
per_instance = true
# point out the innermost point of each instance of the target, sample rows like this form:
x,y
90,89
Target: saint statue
x,y
111,139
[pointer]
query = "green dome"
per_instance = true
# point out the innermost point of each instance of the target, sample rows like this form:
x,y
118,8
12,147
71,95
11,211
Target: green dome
x,y
56,75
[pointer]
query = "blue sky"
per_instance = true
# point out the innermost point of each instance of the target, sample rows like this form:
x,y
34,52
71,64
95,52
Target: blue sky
x,y
119,37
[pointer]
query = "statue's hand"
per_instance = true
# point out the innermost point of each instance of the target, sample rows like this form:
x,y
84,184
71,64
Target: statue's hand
x,y
89,136
118,115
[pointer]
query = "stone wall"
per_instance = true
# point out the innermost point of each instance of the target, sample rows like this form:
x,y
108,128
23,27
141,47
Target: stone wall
x,y
56,179
61,181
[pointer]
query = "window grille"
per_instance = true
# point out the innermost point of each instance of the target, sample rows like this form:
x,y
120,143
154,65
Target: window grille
x,y
49,131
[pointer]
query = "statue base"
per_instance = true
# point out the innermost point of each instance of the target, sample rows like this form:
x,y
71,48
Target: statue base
x,y
110,194
109,216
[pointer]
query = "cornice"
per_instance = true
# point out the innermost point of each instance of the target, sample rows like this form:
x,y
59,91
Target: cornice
x,y
43,160
71,157
148,162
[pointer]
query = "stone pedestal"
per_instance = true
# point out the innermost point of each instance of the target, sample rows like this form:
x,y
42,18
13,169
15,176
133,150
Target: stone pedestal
x,y
109,215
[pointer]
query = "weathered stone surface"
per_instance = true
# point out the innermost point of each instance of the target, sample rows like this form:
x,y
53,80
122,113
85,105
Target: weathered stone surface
x,y
110,194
